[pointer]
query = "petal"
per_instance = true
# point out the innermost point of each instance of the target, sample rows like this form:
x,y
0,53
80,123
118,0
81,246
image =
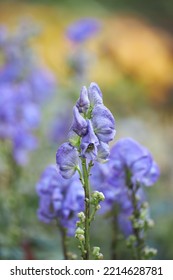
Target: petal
x,y
103,152
67,160
89,143
140,168
83,101
79,124
103,123
128,151
152,176
95,95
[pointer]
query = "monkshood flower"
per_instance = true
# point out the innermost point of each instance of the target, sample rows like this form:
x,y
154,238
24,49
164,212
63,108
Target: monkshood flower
x,y
67,159
103,123
59,199
94,95
79,123
83,102
82,30
93,127
133,164
94,123
132,167
89,143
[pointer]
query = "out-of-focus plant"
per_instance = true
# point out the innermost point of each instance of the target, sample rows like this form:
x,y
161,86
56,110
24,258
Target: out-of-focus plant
x,y
122,181
119,181
24,86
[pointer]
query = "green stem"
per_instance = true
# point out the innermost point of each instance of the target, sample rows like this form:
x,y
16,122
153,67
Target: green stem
x,y
87,208
64,241
137,231
114,241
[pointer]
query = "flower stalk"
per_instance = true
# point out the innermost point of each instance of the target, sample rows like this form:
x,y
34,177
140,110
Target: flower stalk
x,y
87,209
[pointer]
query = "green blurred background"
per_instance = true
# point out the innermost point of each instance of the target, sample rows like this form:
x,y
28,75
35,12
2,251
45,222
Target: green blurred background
x,y
132,61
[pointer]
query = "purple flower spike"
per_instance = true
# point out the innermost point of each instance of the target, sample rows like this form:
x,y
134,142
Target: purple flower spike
x,y
83,101
79,124
89,143
59,198
95,95
67,160
103,123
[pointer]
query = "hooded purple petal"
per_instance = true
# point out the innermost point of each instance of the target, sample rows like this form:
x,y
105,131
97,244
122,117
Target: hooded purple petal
x,y
67,160
103,123
83,101
79,124
89,143
95,95
151,176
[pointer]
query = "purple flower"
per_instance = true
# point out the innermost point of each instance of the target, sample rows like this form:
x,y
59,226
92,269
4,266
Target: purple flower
x,y
60,199
89,143
103,123
130,166
79,124
102,152
95,95
83,102
67,159
47,183
82,29
132,163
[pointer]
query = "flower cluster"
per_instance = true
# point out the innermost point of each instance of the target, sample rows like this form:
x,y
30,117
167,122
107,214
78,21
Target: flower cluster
x,y
93,127
23,87
130,165
59,199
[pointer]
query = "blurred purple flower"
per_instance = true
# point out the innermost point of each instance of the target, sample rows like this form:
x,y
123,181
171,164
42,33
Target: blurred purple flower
x,y
59,199
130,165
23,143
131,161
24,85
82,29
67,158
